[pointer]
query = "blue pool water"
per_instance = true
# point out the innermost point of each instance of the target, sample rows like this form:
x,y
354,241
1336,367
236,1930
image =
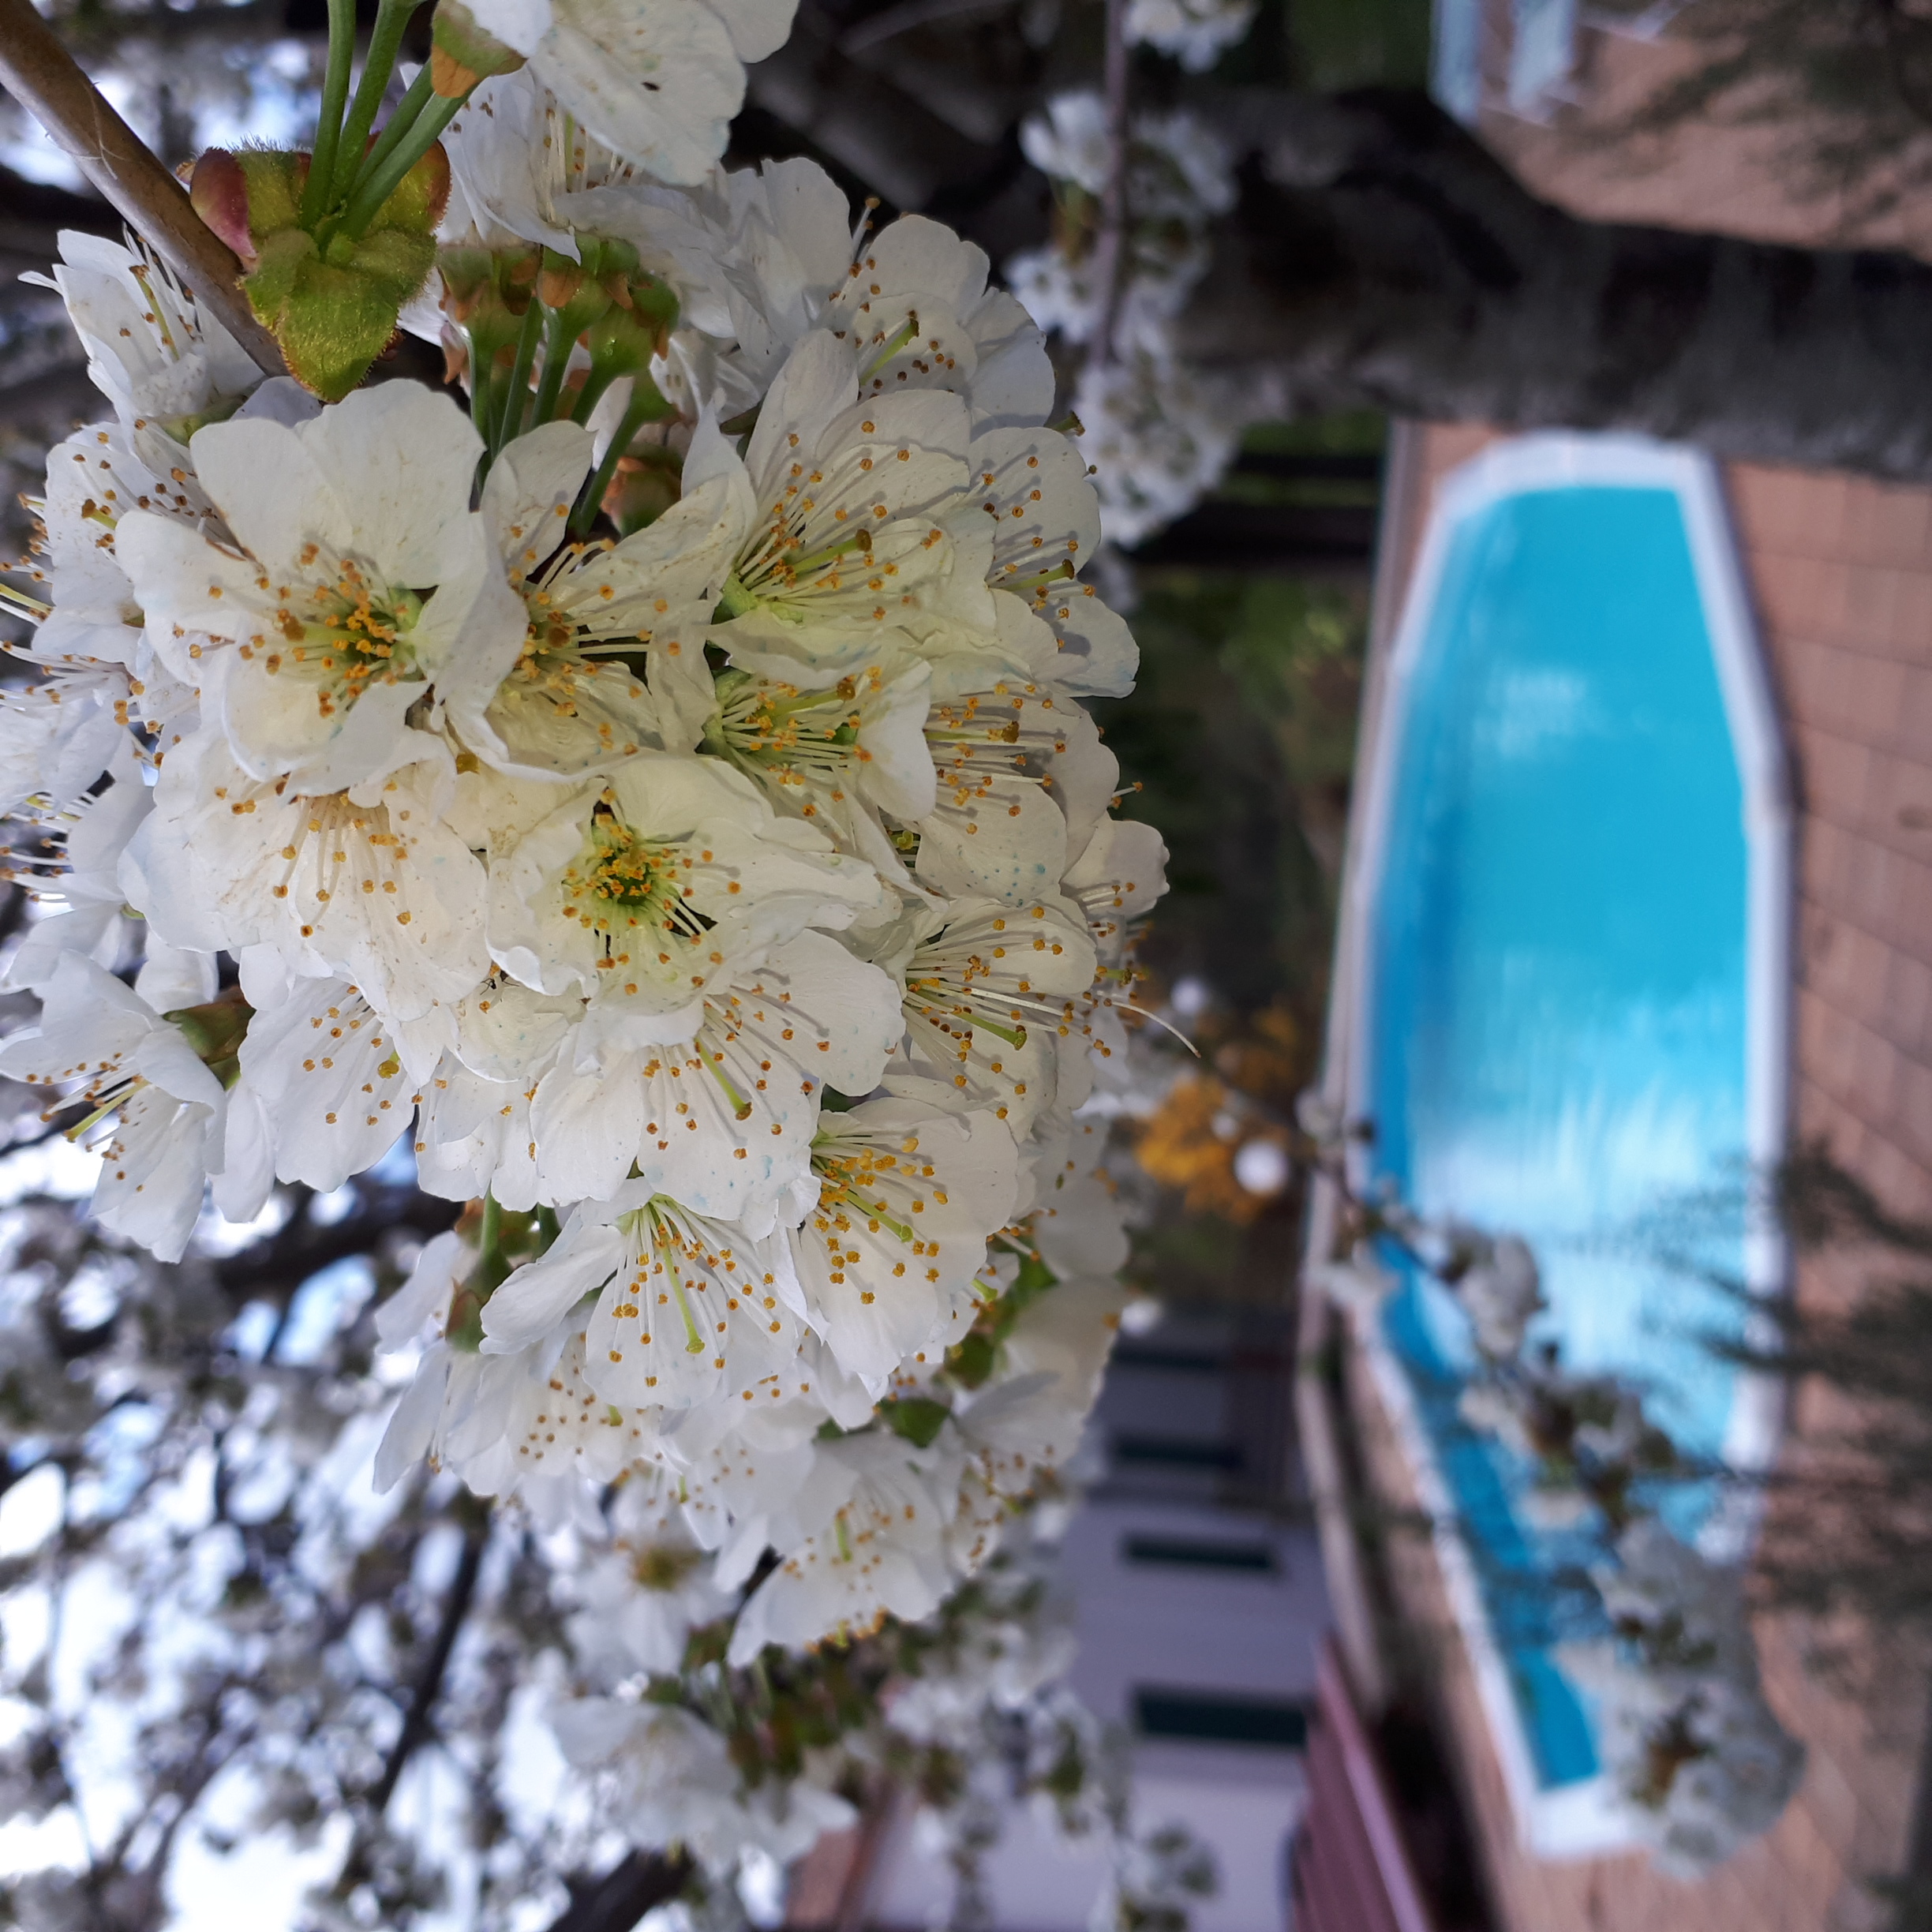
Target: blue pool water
x,y
1556,1038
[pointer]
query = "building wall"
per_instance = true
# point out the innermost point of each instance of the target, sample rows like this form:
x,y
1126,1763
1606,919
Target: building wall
x,y
1841,572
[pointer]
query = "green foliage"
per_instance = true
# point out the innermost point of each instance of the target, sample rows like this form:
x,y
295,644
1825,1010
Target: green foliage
x,y
1242,733
1335,44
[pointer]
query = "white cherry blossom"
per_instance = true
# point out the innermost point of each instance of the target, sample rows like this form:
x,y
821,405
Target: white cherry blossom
x,y
164,365
865,1540
1023,779
916,304
352,583
722,1118
907,1193
328,1081
657,80
371,886
990,990
843,544
643,891
141,1077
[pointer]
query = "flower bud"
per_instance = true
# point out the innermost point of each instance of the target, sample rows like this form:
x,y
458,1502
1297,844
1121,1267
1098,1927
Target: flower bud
x,y
646,483
219,191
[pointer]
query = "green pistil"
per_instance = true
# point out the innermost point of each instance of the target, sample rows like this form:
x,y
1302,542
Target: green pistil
x,y
763,727
694,1343
794,567
906,333
1015,1037
371,634
715,1067
838,1189
845,1537
876,1210
736,600
101,1112
630,881
1058,574
932,994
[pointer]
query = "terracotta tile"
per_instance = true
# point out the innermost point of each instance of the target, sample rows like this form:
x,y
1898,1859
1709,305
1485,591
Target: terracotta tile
x,y
1893,523
1792,1883
1905,1183
1868,607
1908,1003
1831,1802
1908,613
1855,977
1835,867
1911,1109
1877,1072
1898,800
1766,505
1902,884
1838,774
1870,698
1914,713
1786,589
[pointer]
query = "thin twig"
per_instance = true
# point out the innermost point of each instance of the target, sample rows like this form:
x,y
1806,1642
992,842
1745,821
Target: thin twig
x,y
43,76
1110,245
428,1686
614,1902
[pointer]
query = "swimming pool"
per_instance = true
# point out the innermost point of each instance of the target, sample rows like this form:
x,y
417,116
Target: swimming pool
x,y
1571,909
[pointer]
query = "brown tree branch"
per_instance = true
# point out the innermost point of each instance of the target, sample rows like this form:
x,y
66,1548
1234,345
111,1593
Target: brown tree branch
x,y
615,1902
1111,245
428,1689
43,76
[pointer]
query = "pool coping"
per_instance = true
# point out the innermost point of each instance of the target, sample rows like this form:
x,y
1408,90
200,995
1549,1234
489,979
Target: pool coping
x,y
1584,1819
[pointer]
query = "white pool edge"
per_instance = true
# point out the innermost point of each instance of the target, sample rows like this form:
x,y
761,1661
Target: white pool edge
x,y
1584,1819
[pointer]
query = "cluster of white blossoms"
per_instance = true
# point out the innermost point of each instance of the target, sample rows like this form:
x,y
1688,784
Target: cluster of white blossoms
x,y
1697,1757
1684,1726
1196,32
1157,431
731,911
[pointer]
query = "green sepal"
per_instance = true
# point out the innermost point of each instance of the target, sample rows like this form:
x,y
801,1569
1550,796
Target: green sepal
x,y
918,1418
972,1359
648,482
504,1240
333,307
215,1031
